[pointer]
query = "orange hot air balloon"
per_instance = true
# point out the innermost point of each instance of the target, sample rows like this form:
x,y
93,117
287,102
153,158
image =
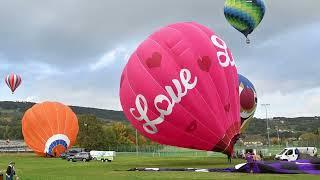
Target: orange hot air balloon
x,y
49,128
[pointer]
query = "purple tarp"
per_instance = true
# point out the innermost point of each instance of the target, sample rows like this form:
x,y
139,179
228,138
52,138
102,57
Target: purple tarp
x,y
277,167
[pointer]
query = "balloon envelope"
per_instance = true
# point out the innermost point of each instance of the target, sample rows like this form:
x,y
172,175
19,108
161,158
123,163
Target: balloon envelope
x,y
180,88
49,128
13,81
244,15
248,101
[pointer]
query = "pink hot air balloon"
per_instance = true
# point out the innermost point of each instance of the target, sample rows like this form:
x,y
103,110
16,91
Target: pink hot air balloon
x,y
13,81
180,88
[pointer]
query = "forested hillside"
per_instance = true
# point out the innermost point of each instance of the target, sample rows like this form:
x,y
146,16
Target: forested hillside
x,y
11,114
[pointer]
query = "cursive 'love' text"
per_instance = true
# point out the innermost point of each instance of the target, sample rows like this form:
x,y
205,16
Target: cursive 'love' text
x,y
142,106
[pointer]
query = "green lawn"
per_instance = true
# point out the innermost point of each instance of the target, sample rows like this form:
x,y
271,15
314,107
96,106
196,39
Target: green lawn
x,y
30,167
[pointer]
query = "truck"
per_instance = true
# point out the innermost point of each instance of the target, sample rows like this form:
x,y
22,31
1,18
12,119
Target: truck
x,y
104,156
295,153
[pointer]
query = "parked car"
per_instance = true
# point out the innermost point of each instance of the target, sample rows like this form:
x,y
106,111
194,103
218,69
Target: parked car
x,y
295,153
81,156
68,154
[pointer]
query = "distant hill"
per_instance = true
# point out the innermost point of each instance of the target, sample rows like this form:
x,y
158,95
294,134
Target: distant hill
x,y
288,127
103,114
285,127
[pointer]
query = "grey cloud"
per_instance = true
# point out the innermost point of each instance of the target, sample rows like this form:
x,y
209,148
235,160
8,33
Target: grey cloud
x,y
56,41
73,32
286,62
67,33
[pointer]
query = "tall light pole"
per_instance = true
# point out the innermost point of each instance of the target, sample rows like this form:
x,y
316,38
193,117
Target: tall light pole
x,y
137,146
278,135
265,106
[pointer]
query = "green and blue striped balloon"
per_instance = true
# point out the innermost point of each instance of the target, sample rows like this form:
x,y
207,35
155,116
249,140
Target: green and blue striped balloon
x,y
244,15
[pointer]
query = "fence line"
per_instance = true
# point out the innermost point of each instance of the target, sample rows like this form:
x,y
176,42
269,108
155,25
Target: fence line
x,y
170,151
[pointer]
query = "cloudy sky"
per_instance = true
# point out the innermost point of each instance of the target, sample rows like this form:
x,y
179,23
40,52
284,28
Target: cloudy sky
x,y
74,51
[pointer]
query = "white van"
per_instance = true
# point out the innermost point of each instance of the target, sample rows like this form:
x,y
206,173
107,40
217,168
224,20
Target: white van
x,y
293,153
103,155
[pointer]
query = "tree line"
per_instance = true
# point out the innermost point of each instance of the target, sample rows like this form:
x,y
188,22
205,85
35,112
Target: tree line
x,y
95,134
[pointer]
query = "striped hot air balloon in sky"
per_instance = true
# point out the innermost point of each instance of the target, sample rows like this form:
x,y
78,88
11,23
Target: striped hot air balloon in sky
x,y
244,15
13,81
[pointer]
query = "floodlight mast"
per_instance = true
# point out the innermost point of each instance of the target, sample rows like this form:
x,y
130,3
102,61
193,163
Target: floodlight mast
x,y
265,106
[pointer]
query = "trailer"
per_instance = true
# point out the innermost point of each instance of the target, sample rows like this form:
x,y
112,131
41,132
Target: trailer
x,y
103,156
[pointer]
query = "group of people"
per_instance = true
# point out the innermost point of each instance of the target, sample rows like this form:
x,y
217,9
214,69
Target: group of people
x,y
249,154
251,159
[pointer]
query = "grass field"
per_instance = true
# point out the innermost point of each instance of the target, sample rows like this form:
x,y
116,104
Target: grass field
x,y
30,167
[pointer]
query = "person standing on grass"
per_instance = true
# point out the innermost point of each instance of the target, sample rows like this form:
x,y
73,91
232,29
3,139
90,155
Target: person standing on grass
x,y
229,159
10,171
261,155
250,161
